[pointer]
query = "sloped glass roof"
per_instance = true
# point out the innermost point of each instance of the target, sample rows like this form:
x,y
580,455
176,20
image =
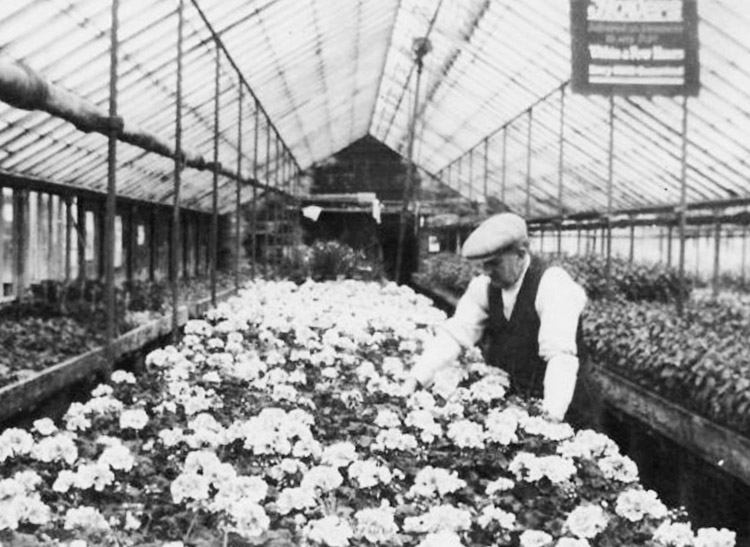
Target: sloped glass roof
x,y
299,80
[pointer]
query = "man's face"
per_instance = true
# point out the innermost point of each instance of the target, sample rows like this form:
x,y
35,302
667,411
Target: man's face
x,y
505,267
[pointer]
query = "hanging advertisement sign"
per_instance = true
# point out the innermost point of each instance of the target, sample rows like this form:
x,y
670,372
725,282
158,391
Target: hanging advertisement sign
x,y
634,47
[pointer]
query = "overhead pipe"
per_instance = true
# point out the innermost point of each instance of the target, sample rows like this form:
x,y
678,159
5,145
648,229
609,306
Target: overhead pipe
x,y
22,87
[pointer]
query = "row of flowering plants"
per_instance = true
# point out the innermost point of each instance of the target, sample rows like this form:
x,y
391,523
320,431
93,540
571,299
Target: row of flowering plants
x,y
633,328
282,420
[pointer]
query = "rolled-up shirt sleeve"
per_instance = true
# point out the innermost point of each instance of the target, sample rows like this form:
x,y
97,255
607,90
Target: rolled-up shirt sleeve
x,y
559,303
462,330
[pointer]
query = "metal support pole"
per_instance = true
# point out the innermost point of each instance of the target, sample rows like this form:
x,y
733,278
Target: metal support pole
x,y
503,185
560,164
471,173
669,245
238,197
528,162
631,254
109,246
214,244
420,52
717,254
267,208
607,236
254,206
743,264
178,159
486,170
683,201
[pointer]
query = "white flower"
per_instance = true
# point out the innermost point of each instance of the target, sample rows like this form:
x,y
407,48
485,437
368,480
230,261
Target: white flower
x,y
488,389
439,517
291,499
588,444
432,481
331,530
501,426
339,454
250,519
64,481
424,421
443,538
76,418
367,473
674,534
446,380
387,418
636,504
376,525
466,434
713,537
554,431
86,518
44,426
135,418
322,477
394,439
535,538
499,485
586,521
189,486
122,377
618,467
171,437
492,514
117,457
59,447
529,467
93,475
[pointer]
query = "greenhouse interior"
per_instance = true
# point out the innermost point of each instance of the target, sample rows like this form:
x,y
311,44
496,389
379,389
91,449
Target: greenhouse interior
x,y
415,273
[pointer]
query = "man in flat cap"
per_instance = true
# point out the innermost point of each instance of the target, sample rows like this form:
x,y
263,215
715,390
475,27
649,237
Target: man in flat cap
x,y
528,312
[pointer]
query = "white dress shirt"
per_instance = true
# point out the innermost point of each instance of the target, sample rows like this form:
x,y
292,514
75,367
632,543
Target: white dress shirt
x,y
559,303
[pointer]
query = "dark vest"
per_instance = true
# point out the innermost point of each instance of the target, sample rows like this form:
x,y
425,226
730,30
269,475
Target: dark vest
x,y
513,345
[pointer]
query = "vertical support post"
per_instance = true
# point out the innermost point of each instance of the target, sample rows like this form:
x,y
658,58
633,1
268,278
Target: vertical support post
x,y
109,232
486,169
254,206
411,175
670,236
607,236
69,227
683,202
238,195
213,251
528,162
560,164
269,204
471,173
717,254
631,253
505,165
174,257
743,262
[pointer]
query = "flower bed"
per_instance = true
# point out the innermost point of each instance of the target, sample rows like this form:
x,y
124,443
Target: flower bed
x,y
282,419
636,332
66,320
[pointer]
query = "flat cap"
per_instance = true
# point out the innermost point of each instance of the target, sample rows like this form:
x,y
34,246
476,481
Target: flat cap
x,y
495,234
